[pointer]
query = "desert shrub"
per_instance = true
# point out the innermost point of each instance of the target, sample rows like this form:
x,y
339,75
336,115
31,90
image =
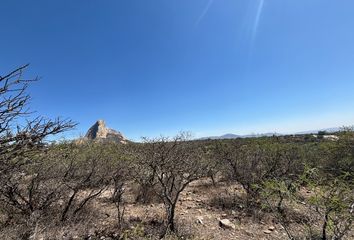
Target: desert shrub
x,y
121,176
340,158
274,194
227,200
27,183
171,164
145,192
333,201
145,177
90,169
213,168
330,205
252,162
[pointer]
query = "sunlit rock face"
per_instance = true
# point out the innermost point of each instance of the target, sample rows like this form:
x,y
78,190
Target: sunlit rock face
x,y
99,132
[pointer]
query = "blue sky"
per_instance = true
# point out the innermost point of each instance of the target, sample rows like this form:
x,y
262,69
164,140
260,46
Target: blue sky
x,y
210,67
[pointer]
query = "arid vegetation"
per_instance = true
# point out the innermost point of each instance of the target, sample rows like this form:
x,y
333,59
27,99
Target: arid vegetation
x,y
302,185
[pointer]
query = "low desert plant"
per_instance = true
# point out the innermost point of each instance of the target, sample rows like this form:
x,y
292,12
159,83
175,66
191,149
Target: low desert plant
x,y
171,164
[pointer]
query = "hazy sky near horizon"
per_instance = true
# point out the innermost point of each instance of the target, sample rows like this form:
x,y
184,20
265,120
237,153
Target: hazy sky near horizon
x,y
206,66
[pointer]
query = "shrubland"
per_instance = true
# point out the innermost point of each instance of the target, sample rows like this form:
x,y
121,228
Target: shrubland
x,y
306,184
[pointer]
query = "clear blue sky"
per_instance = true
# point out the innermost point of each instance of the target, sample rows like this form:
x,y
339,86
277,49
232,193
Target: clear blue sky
x,y
210,67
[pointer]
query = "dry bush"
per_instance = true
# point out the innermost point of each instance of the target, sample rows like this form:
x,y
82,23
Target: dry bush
x,y
145,193
227,200
170,164
250,162
85,180
28,188
145,178
327,212
92,168
120,178
41,183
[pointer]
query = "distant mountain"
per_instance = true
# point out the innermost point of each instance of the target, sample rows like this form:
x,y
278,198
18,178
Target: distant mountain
x,y
99,132
328,130
233,136
226,136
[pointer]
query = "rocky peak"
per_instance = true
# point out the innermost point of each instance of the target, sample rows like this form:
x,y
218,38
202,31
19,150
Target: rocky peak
x,y
100,132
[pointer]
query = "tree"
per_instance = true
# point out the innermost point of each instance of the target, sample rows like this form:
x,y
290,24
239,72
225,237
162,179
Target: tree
x,y
275,192
175,163
330,213
332,201
22,139
250,162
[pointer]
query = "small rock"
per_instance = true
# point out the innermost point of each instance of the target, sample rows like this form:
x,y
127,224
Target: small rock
x,y
226,223
224,215
200,220
271,228
267,231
